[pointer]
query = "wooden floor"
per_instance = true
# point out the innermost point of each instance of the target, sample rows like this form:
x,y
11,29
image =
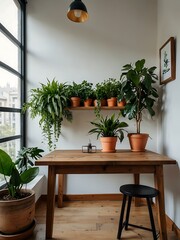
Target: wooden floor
x,y
82,220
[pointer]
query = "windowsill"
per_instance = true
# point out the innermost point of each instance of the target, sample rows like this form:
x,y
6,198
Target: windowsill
x,y
37,185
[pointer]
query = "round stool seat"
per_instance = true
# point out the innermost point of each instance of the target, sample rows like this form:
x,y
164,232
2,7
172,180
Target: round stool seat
x,y
140,191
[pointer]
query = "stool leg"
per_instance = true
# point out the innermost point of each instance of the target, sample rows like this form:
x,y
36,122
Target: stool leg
x,y
121,217
128,212
151,218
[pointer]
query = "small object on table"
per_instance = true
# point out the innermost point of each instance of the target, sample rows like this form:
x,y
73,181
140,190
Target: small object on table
x,y
89,148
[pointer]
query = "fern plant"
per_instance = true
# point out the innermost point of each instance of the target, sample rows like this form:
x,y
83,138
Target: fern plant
x,y
109,127
50,102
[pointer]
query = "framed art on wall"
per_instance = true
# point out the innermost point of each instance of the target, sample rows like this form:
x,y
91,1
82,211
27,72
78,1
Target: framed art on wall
x,y
167,61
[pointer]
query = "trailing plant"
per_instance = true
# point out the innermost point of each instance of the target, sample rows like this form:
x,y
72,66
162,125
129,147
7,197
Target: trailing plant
x,y
138,86
50,102
15,178
109,127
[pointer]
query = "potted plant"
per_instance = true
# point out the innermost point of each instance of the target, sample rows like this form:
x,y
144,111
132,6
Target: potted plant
x,y
17,205
109,129
111,89
26,156
100,95
74,92
121,97
87,93
50,102
138,85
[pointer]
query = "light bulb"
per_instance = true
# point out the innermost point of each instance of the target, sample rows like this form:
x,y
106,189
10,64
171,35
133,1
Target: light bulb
x,y
77,13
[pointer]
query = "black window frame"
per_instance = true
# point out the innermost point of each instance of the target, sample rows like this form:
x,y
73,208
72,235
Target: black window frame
x,y
21,44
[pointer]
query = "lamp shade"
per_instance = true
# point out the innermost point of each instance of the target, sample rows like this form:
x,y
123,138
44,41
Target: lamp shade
x,y
77,11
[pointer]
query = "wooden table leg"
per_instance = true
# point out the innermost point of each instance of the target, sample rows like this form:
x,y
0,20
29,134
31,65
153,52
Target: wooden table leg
x,y
159,183
50,201
60,190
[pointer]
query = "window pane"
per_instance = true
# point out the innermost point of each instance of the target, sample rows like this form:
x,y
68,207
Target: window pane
x,y
9,14
9,89
9,124
11,147
9,52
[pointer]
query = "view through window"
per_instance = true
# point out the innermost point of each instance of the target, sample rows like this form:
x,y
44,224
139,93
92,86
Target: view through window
x,y
12,72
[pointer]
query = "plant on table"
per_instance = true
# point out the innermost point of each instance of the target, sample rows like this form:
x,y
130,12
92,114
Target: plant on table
x,y
109,127
138,86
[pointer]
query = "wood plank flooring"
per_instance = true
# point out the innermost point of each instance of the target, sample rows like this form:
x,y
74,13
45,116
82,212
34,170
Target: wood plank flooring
x,y
93,220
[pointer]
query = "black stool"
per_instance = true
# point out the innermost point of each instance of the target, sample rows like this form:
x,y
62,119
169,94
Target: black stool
x,y
139,191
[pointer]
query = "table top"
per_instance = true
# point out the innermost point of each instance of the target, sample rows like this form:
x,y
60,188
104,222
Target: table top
x,y
120,157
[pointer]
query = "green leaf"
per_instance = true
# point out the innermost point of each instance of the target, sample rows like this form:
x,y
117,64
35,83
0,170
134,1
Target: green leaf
x,y
28,175
132,75
6,163
139,65
15,179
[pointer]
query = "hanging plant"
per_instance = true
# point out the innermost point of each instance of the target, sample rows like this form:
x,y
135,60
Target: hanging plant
x,y
50,102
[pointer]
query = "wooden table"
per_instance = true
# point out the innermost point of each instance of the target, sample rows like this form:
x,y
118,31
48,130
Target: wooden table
x,y
123,161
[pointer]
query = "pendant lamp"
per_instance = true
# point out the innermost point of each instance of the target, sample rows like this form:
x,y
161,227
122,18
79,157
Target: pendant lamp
x,y
77,11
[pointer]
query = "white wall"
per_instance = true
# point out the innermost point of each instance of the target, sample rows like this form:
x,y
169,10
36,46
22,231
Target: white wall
x,y
169,128
117,32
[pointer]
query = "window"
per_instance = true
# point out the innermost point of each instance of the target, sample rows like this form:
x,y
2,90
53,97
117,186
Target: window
x,y
12,75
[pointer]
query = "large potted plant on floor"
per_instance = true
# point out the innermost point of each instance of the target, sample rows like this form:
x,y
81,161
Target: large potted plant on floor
x,y
109,129
138,86
50,102
17,205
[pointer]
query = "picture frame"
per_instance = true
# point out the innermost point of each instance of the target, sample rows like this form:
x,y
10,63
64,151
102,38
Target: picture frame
x,y
167,61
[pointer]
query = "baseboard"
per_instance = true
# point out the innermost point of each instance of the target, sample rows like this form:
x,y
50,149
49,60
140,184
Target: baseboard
x,y
112,197
92,197
88,197
171,225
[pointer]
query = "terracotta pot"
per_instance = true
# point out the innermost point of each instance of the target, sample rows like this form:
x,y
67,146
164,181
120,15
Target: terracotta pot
x,y
108,144
103,102
17,215
19,236
121,103
88,102
112,102
138,141
75,101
